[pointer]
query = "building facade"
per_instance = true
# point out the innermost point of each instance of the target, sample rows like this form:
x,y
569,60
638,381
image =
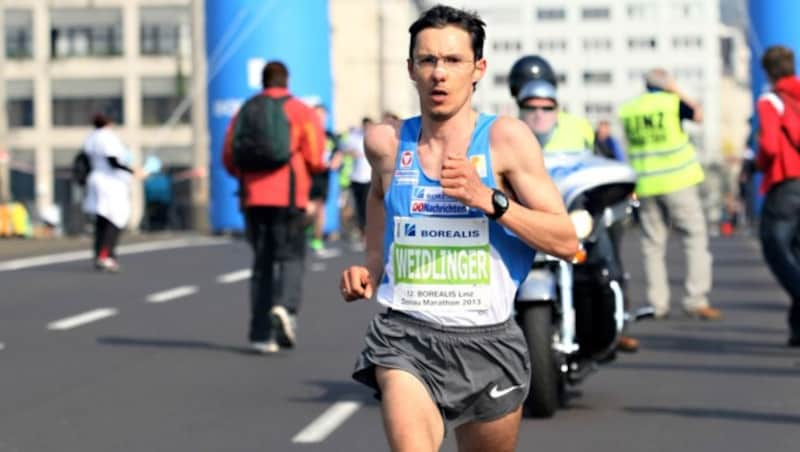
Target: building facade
x,y
601,50
64,60
369,41
139,60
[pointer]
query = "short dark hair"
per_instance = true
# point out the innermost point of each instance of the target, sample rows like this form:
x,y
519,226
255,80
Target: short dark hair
x,y
100,120
275,75
778,62
441,16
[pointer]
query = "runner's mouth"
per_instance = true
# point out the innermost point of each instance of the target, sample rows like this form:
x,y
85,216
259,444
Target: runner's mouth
x,y
438,95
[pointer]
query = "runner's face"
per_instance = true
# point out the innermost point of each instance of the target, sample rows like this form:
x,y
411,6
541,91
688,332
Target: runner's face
x,y
444,69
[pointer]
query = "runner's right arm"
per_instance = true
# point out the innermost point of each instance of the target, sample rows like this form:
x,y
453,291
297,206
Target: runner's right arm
x,y
380,144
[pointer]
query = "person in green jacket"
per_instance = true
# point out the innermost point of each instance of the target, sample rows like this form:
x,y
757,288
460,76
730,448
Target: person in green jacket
x,y
667,186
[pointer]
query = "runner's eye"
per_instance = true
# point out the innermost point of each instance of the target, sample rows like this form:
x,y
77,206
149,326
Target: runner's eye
x,y
430,62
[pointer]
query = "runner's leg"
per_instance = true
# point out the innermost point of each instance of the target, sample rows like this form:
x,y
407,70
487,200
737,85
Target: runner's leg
x,y
412,421
499,435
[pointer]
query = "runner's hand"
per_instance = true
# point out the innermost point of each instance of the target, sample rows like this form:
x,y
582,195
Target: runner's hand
x,y
356,284
460,180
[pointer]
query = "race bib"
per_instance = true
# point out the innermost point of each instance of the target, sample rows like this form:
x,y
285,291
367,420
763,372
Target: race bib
x,y
441,264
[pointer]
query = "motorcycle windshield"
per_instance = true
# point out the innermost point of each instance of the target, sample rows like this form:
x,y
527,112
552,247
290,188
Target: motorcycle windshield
x,y
604,181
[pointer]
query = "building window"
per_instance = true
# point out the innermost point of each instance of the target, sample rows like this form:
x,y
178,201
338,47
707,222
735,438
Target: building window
x,y
561,78
642,43
727,48
550,14
85,32
500,79
642,10
687,42
163,30
160,99
507,46
75,101
22,175
552,45
598,109
597,44
597,77
595,13
159,39
19,103
18,33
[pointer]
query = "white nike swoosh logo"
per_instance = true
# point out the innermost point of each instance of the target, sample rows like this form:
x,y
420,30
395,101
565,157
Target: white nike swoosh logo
x,y
496,393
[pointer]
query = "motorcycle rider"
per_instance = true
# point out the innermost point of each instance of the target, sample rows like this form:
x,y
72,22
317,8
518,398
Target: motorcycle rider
x,y
533,85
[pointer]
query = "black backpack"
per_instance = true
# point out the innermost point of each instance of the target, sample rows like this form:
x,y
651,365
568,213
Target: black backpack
x,y
81,167
261,135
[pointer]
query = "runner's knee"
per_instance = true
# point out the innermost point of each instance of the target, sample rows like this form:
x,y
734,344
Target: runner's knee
x,y
411,418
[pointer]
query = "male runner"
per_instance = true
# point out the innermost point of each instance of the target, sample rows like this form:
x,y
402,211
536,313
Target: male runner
x,y
458,201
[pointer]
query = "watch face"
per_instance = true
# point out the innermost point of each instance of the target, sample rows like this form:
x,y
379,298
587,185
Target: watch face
x,y
500,199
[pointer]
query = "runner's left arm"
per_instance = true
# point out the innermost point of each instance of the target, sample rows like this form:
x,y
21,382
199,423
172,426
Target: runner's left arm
x,y
538,215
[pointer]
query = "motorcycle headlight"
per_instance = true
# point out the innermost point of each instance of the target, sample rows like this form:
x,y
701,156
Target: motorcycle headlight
x,y
583,222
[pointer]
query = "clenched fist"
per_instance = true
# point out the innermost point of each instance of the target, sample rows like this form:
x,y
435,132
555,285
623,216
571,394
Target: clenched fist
x,y
460,180
356,284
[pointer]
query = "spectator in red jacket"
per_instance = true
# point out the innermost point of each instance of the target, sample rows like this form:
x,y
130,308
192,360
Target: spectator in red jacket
x,y
274,221
779,158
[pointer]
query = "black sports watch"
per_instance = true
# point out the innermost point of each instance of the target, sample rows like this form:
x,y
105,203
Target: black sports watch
x,y
500,204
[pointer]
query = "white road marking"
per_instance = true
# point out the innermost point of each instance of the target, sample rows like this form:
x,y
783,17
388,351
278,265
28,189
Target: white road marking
x,y
171,294
327,422
328,253
236,276
2,346
72,256
82,319
318,267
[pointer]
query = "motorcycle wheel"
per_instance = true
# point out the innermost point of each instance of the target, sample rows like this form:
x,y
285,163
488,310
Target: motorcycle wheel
x,y
546,387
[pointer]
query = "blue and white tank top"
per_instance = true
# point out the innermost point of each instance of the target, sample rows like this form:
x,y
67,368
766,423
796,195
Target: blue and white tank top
x,y
446,263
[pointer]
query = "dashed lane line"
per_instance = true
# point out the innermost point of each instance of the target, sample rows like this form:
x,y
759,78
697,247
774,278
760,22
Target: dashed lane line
x,y
171,294
232,277
327,422
81,319
2,346
328,253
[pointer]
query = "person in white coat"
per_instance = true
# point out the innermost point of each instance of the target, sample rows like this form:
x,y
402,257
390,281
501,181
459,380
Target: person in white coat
x,y
108,190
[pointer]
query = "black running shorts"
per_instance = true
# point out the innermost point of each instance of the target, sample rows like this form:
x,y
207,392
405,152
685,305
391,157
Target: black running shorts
x,y
471,373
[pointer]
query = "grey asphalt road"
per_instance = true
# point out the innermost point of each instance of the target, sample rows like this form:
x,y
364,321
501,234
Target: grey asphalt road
x,y
134,375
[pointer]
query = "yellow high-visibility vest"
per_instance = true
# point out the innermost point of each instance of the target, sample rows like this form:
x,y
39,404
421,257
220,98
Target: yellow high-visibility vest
x,y
658,148
573,134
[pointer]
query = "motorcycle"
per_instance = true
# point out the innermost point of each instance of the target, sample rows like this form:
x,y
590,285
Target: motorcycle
x,y
572,313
